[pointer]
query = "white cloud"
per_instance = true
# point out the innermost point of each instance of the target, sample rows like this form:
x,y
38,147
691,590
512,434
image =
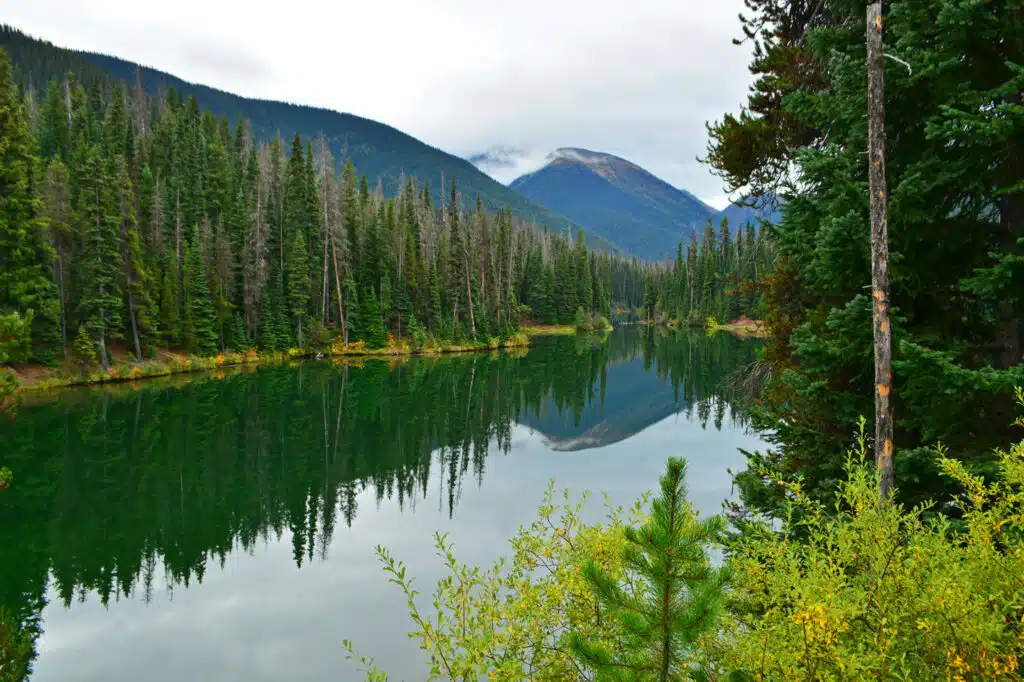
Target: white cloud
x,y
635,79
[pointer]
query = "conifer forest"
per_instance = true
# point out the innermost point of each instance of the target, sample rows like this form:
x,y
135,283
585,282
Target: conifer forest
x,y
147,222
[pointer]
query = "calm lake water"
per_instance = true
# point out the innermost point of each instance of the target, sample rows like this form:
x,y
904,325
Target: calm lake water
x,y
223,527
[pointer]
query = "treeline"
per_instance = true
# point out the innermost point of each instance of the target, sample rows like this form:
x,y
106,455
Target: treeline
x,y
715,275
147,220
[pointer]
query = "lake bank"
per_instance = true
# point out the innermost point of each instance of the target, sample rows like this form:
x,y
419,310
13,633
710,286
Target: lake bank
x,y
38,377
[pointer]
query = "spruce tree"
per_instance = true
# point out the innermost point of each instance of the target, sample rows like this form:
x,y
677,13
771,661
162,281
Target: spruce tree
x,y
298,282
138,283
170,301
668,596
54,134
26,259
100,261
373,327
200,316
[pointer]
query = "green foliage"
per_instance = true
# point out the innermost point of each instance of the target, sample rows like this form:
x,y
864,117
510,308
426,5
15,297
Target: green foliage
x,y
372,326
716,275
168,227
417,334
84,350
15,336
586,323
666,595
16,651
26,282
582,321
298,283
873,591
955,130
200,317
511,621
102,266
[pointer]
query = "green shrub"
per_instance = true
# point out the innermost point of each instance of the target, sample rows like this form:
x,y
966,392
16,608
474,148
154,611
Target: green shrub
x,y
15,650
862,589
875,592
318,337
15,336
512,621
582,321
84,350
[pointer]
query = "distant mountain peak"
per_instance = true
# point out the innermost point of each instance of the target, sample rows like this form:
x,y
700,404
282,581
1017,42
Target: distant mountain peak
x,y
616,199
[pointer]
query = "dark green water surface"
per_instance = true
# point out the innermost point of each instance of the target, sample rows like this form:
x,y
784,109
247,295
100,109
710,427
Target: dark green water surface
x,y
222,527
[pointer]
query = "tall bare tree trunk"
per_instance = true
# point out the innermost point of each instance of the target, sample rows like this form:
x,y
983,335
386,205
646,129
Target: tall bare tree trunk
x,y
879,252
469,297
337,286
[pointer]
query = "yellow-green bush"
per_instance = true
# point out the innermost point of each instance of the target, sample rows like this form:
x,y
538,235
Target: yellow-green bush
x,y
859,590
512,621
870,591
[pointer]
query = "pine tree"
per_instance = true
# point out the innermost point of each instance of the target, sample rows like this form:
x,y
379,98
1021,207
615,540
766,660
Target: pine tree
x,y
54,134
26,281
84,350
170,301
138,284
669,595
373,327
101,264
298,282
200,316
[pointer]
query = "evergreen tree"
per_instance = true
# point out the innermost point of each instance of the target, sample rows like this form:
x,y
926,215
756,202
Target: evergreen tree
x,y
101,264
954,136
26,281
298,282
138,283
170,301
200,317
54,133
668,596
373,327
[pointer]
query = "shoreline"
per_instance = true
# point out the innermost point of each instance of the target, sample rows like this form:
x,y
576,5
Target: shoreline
x,y
176,364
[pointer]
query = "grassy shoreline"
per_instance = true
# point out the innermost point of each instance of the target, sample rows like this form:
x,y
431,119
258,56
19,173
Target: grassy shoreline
x,y
549,330
173,364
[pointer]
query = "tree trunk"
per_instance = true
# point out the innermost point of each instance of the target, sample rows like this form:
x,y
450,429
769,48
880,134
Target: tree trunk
x,y
177,224
469,302
879,252
62,291
337,286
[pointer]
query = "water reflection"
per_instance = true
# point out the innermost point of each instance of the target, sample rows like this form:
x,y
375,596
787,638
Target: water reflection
x,y
122,492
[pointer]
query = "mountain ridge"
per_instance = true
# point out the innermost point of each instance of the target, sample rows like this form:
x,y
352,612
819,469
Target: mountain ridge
x,y
381,151
621,201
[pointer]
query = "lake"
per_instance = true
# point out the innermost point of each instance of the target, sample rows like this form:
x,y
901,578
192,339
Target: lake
x,y
222,527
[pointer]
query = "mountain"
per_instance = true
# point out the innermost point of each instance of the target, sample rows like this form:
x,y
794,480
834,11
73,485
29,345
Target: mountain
x,y
383,153
615,199
621,202
635,399
740,215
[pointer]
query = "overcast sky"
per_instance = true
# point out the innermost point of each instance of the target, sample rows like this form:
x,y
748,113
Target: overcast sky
x,y
637,78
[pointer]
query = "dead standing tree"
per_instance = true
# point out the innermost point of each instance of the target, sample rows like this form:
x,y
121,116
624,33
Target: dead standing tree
x,y
879,252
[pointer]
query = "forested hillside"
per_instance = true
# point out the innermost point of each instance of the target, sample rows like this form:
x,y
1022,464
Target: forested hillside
x,y
384,154
717,275
152,222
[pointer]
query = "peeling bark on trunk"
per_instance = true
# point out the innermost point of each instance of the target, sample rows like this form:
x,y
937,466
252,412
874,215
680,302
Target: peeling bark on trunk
x,y
879,252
